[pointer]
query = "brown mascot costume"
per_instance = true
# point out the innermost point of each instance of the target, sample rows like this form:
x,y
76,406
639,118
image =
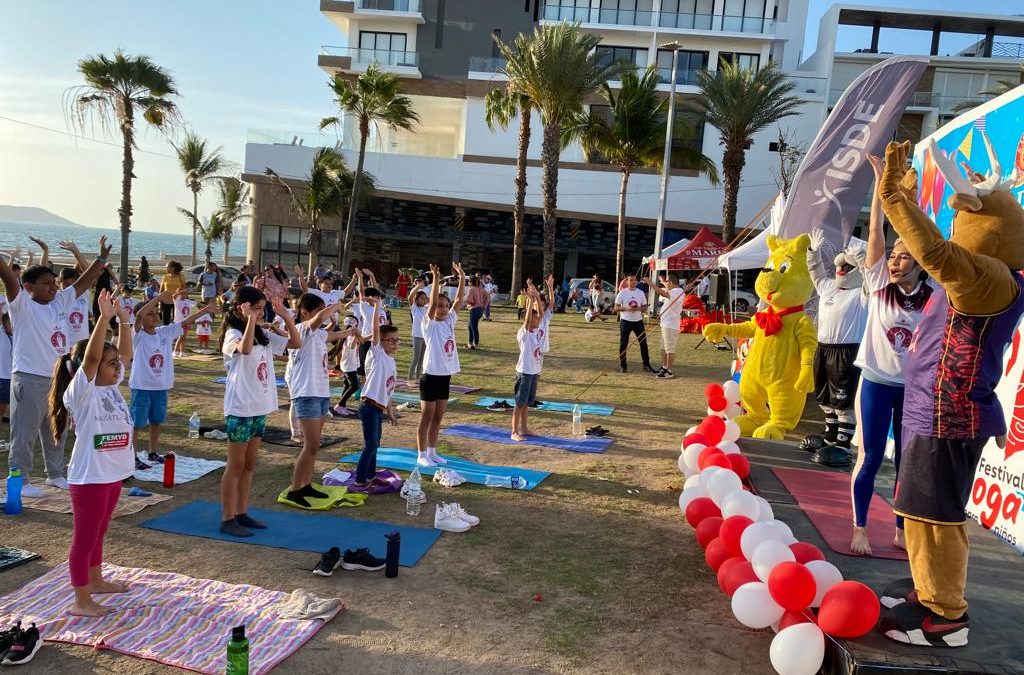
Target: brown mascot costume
x,y
954,362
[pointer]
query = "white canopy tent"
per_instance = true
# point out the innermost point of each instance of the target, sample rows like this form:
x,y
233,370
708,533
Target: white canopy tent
x,y
754,252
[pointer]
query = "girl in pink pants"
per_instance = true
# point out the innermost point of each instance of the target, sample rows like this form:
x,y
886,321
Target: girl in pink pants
x,y
85,387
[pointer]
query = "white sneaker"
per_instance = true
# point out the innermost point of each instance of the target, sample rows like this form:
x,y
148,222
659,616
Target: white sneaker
x,y
436,458
424,460
29,490
445,519
60,482
463,515
449,478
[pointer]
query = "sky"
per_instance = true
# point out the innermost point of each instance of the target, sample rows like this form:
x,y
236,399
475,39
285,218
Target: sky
x,y
237,65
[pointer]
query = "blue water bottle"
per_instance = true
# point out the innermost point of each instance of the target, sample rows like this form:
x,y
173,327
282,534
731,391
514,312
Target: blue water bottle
x,y
14,480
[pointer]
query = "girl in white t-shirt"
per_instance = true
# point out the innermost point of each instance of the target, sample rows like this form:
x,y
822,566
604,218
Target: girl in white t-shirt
x,y
310,389
348,363
85,390
182,309
418,309
440,363
250,394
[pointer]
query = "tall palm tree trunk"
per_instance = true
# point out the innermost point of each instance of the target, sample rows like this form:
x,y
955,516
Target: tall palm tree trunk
x,y
549,154
195,224
127,171
620,241
313,242
732,167
353,207
519,210
227,242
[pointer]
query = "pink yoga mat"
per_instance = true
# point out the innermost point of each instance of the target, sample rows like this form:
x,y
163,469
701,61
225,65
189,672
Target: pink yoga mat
x,y
825,497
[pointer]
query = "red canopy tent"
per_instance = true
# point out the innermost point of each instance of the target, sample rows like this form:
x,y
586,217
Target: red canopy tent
x,y
703,250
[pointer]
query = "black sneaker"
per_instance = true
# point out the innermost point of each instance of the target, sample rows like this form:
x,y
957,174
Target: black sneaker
x,y
140,465
24,649
664,374
813,442
898,592
157,458
536,404
360,559
498,406
914,624
7,637
328,562
831,455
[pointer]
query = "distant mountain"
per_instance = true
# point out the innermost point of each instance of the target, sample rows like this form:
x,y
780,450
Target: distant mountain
x,y
32,215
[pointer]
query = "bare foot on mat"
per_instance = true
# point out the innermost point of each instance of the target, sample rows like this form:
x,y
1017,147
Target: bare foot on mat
x,y
518,437
90,608
105,586
859,544
900,540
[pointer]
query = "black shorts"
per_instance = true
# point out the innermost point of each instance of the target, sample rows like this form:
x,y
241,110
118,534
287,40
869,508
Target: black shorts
x,y
936,476
835,376
435,387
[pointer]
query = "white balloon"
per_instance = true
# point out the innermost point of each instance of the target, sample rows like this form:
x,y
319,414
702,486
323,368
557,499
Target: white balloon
x,y
733,410
718,413
732,430
691,455
722,484
826,575
754,607
732,391
769,554
729,448
766,513
741,503
786,532
798,650
706,474
688,495
756,534
691,430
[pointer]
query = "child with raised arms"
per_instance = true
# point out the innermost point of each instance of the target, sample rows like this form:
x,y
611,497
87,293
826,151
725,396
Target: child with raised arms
x,y
418,310
528,366
375,405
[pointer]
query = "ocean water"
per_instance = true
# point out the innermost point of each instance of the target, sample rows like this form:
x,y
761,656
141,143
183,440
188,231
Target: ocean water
x,y
153,245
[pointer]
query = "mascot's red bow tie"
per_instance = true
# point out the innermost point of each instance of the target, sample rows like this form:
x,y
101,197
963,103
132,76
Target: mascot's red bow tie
x,y
770,321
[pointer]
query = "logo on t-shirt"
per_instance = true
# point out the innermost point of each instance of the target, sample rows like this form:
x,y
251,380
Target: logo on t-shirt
x,y
449,347
536,354
75,319
108,442
633,304
899,337
59,341
390,384
261,373
156,363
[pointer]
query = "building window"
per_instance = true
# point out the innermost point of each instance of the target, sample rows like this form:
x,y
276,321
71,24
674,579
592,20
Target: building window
x,y
388,49
747,61
690,63
687,14
286,246
626,12
743,16
567,10
608,55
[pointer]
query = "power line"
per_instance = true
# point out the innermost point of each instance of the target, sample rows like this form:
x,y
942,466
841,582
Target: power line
x,y
84,138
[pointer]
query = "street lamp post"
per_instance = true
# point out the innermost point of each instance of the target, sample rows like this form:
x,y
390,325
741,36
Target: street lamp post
x,y
666,162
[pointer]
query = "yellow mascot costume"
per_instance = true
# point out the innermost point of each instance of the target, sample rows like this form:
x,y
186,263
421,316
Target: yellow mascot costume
x,y
779,372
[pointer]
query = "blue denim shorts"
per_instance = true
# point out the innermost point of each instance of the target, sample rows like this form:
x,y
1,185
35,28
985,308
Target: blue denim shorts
x,y
526,388
148,407
311,407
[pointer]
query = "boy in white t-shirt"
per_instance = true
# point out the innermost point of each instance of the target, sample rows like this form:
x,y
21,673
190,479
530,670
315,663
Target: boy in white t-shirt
x,y
670,316
182,308
128,302
528,367
630,304
78,313
152,375
375,403
418,300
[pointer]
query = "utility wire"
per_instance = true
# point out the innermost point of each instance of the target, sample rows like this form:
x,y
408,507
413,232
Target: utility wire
x,y
83,138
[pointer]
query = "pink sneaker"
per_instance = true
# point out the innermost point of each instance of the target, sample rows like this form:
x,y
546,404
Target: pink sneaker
x,y
341,411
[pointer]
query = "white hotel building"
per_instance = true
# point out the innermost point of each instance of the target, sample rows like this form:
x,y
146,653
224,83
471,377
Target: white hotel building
x,y
445,190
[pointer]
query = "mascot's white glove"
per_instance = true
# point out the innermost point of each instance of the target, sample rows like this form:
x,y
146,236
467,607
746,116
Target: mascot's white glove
x,y
817,239
859,257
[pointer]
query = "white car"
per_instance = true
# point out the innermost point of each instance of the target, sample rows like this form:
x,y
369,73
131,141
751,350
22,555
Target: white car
x,y
580,286
744,302
192,274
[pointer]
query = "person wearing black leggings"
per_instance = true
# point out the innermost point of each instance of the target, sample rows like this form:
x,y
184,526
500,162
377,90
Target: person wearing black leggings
x,y
630,304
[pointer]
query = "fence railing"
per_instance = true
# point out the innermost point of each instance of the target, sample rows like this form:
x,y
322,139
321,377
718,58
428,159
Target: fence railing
x,y
717,22
486,64
390,5
384,57
683,75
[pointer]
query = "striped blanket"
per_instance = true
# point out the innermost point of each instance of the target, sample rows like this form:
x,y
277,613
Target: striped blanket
x,y
169,618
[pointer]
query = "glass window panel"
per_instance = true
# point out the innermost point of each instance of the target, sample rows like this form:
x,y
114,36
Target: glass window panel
x,y
292,239
269,236
398,42
366,40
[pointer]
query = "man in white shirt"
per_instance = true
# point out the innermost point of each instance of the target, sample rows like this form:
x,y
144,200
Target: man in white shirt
x,y
671,312
630,304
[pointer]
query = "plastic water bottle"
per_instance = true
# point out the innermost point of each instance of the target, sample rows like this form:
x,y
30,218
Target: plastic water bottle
x,y
12,506
193,425
577,421
509,482
413,493
238,652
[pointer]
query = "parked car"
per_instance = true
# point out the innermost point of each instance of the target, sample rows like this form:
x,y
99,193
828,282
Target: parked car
x,y
580,286
192,274
744,301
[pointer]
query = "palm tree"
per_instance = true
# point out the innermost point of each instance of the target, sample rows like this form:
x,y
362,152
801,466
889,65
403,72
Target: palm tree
x,y
501,106
739,102
558,71
212,231
116,89
328,192
199,165
232,203
1003,85
632,136
374,98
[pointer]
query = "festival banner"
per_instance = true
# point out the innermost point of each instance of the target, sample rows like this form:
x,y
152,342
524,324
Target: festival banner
x,y
997,496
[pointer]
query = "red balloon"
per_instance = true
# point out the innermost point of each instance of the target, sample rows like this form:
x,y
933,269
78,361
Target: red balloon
x,y
705,456
719,460
715,554
792,586
739,574
739,464
848,610
707,530
718,403
695,437
732,529
712,427
699,509
805,552
723,571
791,618
714,389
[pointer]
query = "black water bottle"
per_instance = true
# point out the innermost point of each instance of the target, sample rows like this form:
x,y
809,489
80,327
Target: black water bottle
x,y
391,559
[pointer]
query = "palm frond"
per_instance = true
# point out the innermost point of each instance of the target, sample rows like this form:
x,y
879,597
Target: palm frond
x,y
739,101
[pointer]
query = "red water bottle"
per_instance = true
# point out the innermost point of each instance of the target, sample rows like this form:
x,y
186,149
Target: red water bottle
x,y
169,470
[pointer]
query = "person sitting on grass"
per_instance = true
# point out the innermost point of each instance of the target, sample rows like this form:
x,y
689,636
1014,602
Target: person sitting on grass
x,y
529,365
85,388
250,395
310,389
375,404
152,375
440,363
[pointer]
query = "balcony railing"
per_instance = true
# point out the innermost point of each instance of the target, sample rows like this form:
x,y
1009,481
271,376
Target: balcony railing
x,y
405,145
384,57
919,99
621,17
683,75
390,5
487,64
717,22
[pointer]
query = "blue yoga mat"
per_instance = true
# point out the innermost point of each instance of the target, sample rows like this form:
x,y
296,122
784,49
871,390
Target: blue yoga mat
x,y
554,406
397,397
405,460
300,531
484,432
224,380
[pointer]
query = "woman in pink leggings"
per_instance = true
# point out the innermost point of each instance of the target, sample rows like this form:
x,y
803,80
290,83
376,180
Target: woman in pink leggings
x,y
85,386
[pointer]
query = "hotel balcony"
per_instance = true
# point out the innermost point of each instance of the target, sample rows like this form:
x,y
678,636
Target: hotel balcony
x,y
353,60
340,12
672,21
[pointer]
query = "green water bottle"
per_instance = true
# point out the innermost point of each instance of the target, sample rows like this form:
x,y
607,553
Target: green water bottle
x,y
238,652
